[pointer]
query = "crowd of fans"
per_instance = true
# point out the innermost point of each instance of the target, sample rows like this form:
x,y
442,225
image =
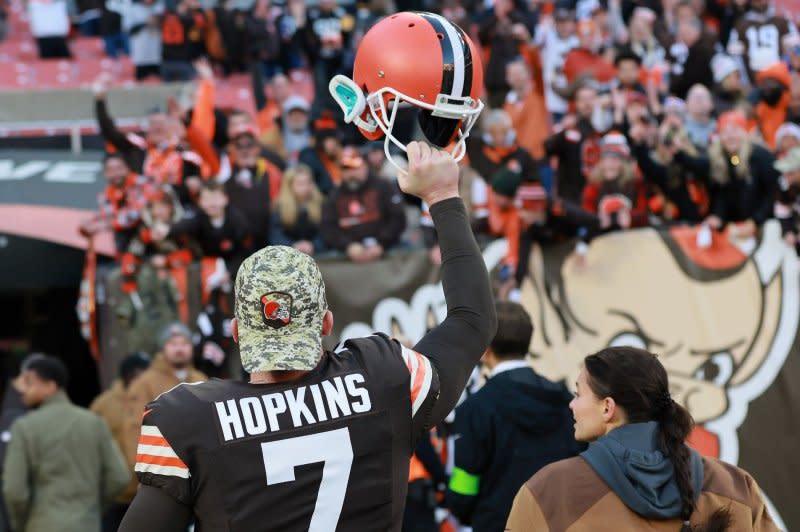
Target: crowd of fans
x,y
601,116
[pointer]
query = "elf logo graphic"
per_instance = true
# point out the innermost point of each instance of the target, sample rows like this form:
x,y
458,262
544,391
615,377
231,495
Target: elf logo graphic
x,y
276,309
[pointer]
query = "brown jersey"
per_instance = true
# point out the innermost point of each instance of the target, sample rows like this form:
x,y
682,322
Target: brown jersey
x,y
328,452
758,37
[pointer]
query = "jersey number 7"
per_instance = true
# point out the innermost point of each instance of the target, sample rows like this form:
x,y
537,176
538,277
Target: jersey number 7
x,y
334,449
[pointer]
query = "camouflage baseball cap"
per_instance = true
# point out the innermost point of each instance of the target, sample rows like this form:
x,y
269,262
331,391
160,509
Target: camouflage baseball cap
x,y
280,303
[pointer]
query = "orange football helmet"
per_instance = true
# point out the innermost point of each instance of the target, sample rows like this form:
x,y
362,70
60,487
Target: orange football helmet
x,y
417,59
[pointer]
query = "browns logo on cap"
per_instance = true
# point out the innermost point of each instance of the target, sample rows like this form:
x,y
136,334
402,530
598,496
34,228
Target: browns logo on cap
x,y
276,308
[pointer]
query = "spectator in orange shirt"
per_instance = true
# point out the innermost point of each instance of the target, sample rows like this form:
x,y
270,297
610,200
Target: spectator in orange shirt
x,y
525,105
585,59
269,105
773,85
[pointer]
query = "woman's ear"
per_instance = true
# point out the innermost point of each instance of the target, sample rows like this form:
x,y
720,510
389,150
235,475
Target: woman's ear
x,y
610,410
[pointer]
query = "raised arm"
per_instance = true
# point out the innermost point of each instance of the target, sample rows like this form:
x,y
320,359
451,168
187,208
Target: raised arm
x,y
108,129
456,345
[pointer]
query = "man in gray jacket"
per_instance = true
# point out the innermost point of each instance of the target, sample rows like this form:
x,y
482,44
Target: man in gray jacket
x,y
62,463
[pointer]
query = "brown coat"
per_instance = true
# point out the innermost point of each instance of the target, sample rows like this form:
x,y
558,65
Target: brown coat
x,y
157,379
570,496
111,405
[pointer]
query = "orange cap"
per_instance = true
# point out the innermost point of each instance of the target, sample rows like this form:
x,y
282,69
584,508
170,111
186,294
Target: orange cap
x,y
732,118
350,158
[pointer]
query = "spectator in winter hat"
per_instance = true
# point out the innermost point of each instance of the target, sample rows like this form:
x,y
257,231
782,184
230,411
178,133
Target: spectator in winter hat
x,y
171,366
728,91
786,138
615,193
296,125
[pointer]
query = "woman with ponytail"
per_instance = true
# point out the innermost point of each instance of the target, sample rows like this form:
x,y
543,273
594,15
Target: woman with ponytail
x,y
637,473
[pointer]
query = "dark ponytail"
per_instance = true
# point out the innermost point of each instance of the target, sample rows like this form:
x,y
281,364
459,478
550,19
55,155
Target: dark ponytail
x,y
638,383
676,423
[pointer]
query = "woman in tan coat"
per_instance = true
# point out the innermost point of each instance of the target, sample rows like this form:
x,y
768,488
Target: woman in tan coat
x,y
637,473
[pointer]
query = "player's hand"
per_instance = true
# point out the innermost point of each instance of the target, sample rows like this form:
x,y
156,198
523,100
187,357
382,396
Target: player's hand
x,y
432,174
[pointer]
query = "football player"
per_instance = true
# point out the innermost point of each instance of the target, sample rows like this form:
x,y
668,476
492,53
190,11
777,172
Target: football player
x,y
322,440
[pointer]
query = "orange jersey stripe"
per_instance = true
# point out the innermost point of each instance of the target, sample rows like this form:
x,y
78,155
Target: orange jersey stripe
x,y
160,460
420,377
153,440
